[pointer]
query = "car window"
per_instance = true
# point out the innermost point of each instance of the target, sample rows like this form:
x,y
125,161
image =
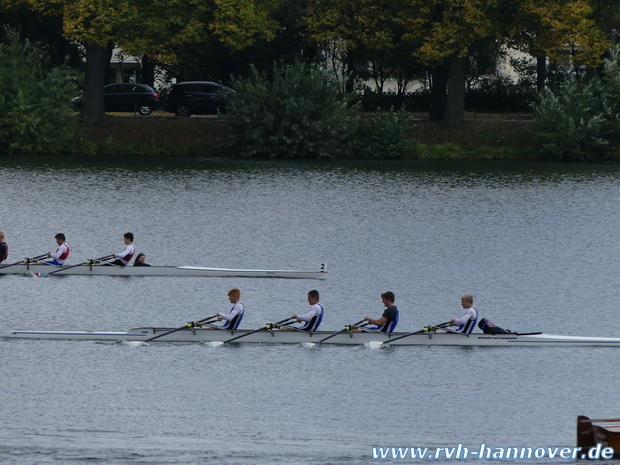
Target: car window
x,y
133,88
211,89
114,89
192,88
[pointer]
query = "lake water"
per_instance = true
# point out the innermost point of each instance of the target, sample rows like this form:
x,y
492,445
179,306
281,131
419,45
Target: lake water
x,y
535,244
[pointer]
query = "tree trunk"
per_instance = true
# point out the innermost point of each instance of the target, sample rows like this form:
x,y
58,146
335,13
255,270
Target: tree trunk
x,y
148,72
97,62
455,107
351,71
541,72
439,82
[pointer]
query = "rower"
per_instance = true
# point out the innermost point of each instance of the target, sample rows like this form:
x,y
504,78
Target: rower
x,y
62,252
234,317
467,322
313,318
124,257
140,260
388,320
4,248
488,327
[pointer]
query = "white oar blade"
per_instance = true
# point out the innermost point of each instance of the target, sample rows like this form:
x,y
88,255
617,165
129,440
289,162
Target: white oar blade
x,y
308,345
373,344
214,344
134,343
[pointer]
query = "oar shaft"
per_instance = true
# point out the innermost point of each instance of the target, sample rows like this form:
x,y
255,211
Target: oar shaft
x,y
205,320
25,260
83,263
339,332
442,325
256,330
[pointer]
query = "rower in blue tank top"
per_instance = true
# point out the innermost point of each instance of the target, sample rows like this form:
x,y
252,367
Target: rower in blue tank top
x,y
313,318
467,322
388,320
234,317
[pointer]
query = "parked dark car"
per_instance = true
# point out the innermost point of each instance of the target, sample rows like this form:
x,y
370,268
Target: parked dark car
x,y
196,98
130,97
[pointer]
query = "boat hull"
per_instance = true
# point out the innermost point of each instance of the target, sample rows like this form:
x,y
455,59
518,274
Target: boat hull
x,y
196,271
592,432
298,337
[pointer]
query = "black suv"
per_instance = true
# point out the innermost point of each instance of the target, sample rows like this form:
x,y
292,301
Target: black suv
x,y
196,98
130,97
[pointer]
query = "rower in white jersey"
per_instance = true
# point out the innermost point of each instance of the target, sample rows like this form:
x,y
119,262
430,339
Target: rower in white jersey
x,y
124,257
467,322
234,317
62,252
313,318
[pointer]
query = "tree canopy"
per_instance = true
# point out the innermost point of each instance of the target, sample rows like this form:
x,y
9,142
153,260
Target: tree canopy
x,y
144,27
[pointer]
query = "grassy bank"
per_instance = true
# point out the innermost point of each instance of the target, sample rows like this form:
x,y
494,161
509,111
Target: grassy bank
x,y
481,137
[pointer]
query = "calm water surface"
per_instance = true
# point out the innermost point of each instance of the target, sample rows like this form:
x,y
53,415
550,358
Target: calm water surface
x,y
535,244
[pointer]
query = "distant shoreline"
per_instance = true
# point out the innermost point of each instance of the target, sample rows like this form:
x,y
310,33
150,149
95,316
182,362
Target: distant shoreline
x,y
483,136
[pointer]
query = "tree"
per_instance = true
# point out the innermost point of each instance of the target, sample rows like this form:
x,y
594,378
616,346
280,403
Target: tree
x,y
561,31
443,34
43,30
35,98
215,60
152,28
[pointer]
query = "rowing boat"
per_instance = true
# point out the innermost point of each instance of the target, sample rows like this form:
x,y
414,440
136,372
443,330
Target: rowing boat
x,y
103,270
606,432
300,337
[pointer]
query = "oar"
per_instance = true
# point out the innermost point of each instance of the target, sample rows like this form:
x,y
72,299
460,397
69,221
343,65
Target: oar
x,y
377,344
346,328
267,326
79,264
191,324
25,260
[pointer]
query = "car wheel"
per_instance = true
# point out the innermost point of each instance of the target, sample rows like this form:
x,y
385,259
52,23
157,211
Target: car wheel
x,y
145,110
183,110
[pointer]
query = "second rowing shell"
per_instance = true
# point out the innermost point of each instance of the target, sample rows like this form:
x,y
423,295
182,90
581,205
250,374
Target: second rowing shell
x,y
103,270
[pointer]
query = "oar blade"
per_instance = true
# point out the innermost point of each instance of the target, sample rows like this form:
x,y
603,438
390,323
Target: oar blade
x,y
308,345
138,344
373,344
30,274
214,344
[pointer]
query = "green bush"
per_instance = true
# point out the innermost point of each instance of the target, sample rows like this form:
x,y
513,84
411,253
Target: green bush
x,y
295,113
384,135
36,116
581,120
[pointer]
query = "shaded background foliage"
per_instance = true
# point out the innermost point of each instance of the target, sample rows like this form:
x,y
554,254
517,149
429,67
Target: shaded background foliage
x,y
364,45
580,120
297,111
35,99
294,112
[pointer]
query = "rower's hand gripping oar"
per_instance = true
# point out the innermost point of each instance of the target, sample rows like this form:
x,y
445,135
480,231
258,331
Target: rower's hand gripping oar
x,y
427,329
267,326
87,262
191,324
25,260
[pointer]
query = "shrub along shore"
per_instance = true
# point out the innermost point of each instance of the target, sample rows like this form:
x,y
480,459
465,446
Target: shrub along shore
x,y
483,136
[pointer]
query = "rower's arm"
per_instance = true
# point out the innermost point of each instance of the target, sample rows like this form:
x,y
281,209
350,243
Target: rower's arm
x,y
233,313
378,322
